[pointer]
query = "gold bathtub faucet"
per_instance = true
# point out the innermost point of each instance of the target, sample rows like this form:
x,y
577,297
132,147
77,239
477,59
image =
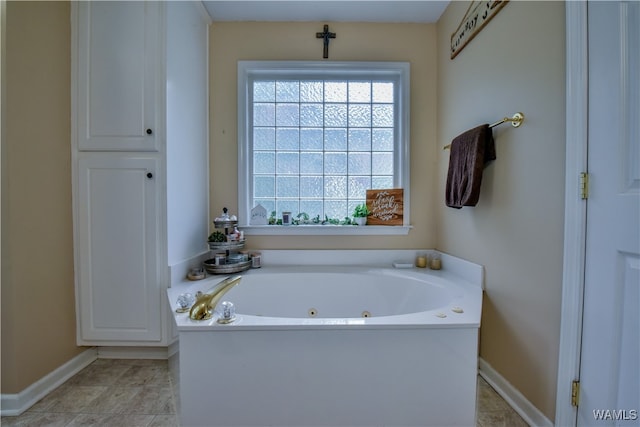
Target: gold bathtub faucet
x,y
206,303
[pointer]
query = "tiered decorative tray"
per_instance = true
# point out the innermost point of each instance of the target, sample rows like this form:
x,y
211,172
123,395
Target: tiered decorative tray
x,y
229,248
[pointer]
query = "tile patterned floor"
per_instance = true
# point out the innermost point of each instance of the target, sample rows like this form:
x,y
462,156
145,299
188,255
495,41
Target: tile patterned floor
x,y
131,393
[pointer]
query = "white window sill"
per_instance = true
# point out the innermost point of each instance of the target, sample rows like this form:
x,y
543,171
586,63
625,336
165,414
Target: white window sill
x,y
324,230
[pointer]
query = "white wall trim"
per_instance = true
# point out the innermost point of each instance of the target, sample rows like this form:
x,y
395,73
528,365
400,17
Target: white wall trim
x,y
16,404
512,396
206,17
159,353
575,209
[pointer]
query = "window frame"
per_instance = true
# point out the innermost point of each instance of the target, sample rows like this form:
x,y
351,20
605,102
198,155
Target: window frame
x,y
248,71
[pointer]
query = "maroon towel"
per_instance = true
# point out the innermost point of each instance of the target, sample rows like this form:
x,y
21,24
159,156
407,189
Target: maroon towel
x,y
470,152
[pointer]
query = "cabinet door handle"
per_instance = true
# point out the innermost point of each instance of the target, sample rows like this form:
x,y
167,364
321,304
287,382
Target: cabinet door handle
x,y
149,175
149,131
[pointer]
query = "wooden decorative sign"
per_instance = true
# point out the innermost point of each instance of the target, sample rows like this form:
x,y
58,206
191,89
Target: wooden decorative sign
x,y
477,16
386,206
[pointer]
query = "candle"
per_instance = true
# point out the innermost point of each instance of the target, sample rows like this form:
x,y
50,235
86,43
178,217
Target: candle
x,y
436,264
421,261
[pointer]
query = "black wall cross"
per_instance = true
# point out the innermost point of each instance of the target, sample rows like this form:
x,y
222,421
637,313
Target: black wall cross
x,y
326,35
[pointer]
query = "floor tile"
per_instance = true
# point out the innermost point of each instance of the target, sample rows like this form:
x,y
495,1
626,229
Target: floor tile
x,y
113,400
69,398
152,400
38,419
109,420
164,421
140,375
99,374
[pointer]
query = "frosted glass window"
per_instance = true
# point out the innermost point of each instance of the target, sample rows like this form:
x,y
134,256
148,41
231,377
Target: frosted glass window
x,y
287,138
311,163
315,136
335,139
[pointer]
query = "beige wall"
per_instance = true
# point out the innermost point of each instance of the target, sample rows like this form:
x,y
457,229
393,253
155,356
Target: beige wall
x,y
516,231
414,43
38,306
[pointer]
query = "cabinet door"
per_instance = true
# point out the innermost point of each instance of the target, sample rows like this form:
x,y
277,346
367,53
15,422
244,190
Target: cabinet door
x,y
119,297
118,70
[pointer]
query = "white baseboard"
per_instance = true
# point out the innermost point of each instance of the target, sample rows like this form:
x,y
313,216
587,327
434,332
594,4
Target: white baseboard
x,y
16,404
512,396
161,353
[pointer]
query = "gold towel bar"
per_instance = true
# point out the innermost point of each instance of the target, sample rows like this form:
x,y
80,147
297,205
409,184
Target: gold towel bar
x,y
516,121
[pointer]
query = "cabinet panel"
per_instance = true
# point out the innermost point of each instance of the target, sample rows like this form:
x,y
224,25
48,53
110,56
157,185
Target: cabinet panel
x,y
118,71
119,293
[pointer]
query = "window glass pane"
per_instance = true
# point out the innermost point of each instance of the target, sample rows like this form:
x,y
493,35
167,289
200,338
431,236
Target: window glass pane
x,y
287,163
264,114
311,91
335,115
264,92
264,138
311,139
287,114
335,139
359,139
382,163
382,92
288,91
359,163
335,187
264,162
359,91
381,182
287,138
360,115
358,186
382,139
287,186
382,115
335,92
311,163
311,115
311,187
335,163
264,186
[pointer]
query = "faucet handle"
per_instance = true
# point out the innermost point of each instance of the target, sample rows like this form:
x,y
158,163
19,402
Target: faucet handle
x,y
228,313
185,301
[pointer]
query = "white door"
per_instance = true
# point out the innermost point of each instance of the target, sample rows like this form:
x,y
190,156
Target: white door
x,y
117,73
610,357
119,297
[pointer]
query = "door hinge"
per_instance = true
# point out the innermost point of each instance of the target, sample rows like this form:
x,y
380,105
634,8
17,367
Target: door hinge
x,y
575,393
584,185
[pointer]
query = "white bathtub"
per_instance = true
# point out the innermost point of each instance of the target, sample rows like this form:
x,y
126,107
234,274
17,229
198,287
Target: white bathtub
x,y
300,352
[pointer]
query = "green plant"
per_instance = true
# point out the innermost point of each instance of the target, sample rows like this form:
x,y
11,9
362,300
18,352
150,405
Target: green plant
x,y
217,236
272,218
346,221
361,211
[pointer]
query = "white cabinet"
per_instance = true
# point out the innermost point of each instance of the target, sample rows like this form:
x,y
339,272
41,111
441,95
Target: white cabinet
x,y
118,74
118,229
140,163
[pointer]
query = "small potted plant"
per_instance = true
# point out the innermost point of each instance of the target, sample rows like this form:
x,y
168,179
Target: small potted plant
x,y
360,214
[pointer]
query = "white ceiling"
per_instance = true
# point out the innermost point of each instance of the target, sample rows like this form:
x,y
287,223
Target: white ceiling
x,y
425,11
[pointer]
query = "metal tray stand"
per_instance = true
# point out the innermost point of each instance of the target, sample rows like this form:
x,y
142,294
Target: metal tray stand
x,y
226,268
